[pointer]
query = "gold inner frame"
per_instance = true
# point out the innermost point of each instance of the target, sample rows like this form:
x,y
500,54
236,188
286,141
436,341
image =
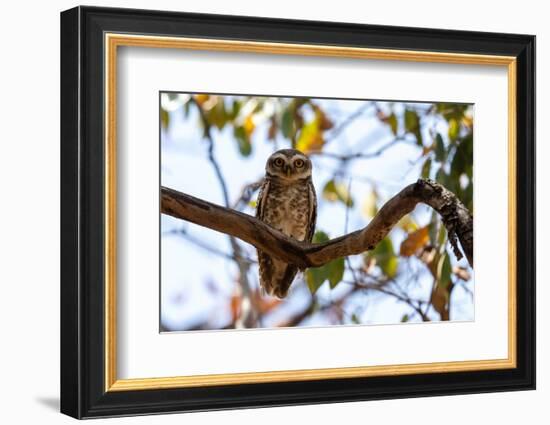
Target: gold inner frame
x,y
113,41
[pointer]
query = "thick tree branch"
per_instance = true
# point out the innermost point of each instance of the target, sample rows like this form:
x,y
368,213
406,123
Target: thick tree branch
x,y
455,215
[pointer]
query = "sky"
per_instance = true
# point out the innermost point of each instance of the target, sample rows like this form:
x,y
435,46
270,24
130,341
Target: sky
x,y
196,283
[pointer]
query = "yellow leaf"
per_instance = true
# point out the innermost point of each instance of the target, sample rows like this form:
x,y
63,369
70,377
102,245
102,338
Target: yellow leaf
x,y
201,98
468,121
407,224
391,120
414,242
369,208
391,267
337,192
311,138
249,125
454,128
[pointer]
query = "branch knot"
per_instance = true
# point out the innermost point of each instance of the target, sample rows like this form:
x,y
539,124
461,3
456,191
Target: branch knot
x,y
448,206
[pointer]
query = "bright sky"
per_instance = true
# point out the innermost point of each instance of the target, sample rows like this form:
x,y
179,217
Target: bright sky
x,y
196,284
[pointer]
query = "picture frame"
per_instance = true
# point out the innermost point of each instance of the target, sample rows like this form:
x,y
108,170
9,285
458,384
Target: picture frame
x,y
90,40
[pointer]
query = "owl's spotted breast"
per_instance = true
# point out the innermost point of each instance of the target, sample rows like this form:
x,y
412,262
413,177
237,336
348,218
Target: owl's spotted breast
x,y
287,209
290,208
287,203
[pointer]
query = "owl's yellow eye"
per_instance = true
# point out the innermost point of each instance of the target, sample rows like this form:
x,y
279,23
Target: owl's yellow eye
x,y
299,163
279,162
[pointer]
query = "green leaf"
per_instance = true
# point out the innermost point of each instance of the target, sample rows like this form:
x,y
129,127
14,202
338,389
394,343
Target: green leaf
x,y
469,196
440,151
186,109
385,257
334,191
442,236
217,115
458,164
412,125
320,237
411,120
405,318
315,277
245,148
426,168
235,108
335,272
444,271
441,177
454,128
164,118
463,158
243,141
392,122
287,123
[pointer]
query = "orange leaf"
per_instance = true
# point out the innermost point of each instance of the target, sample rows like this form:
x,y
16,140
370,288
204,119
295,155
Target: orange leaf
x,y
440,300
427,149
462,273
272,132
235,306
415,241
324,122
201,98
264,304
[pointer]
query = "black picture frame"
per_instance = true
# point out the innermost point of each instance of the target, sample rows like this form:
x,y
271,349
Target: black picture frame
x,y
83,392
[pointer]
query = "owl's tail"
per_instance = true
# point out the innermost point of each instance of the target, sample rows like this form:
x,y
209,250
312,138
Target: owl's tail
x,y
275,276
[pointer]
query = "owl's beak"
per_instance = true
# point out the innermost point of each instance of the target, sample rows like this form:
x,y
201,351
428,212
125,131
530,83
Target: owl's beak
x,y
288,170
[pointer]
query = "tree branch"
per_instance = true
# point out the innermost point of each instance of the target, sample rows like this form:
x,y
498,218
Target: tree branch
x,y
360,155
456,217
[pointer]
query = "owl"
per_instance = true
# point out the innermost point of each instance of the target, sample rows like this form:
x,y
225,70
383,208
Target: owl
x,y
286,202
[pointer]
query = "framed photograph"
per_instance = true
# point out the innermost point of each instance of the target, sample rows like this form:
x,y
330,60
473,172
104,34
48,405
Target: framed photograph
x,y
262,212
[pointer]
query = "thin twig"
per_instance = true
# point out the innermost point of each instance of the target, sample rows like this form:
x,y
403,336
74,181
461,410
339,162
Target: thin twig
x,y
198,242
247,193
336,131
414,304
250,316
359,155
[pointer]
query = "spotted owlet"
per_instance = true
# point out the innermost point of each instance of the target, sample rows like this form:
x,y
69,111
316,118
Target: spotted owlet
x,y
286,202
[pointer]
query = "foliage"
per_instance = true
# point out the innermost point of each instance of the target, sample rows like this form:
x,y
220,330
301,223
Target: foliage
x,y
441,134
333,271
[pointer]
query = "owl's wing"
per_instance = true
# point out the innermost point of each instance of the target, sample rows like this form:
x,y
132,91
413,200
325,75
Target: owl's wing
x,y
260,204
312,212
